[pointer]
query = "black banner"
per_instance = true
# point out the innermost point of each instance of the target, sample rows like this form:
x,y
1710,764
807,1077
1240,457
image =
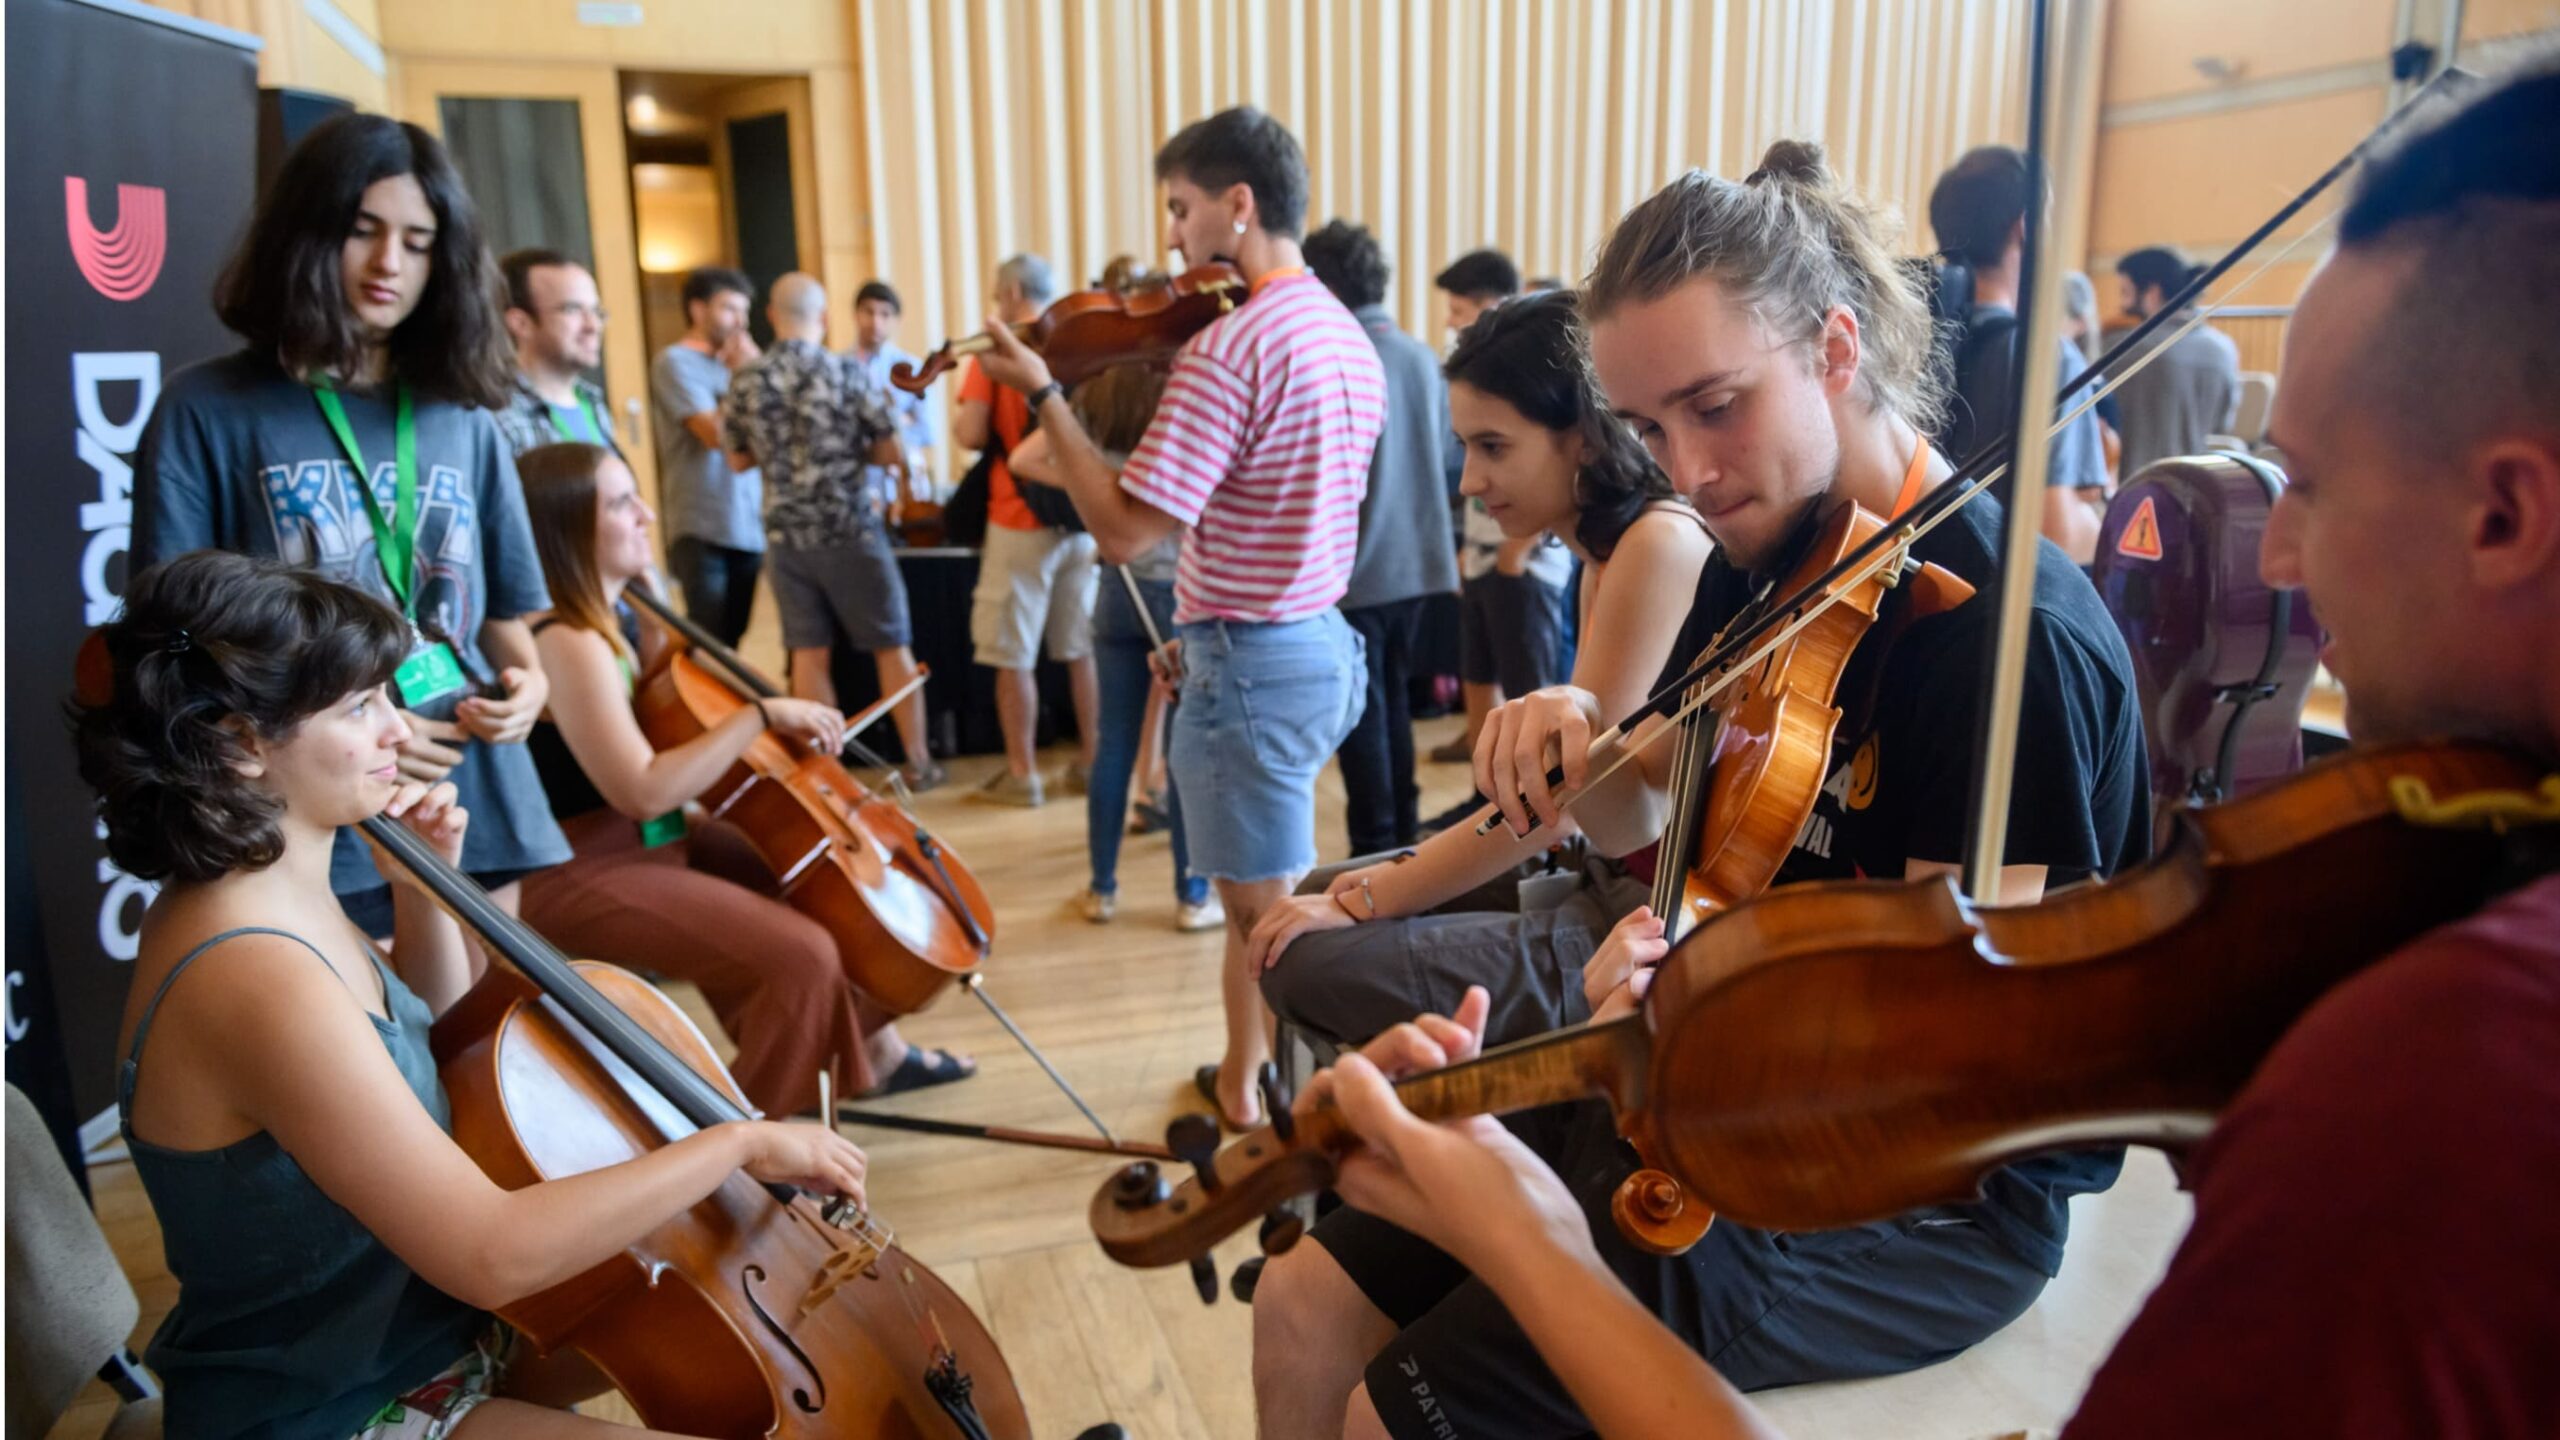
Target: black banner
x,y
132,140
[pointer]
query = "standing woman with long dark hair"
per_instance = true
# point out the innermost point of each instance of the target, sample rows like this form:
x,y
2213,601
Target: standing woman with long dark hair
x,y
350,434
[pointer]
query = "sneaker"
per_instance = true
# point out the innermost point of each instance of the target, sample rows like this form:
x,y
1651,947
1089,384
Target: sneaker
x,y
1191,919
1096,905
1006,788
928,776
1456,752
1073,782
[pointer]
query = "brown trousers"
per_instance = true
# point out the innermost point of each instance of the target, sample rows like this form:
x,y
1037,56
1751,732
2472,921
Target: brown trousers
x,y
771,973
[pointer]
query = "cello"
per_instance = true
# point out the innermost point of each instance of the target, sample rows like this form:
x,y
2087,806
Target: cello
x,y
757,1311
907,916
1842,1051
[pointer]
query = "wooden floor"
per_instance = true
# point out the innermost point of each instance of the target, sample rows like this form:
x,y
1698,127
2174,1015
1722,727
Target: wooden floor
x,y
1127,1010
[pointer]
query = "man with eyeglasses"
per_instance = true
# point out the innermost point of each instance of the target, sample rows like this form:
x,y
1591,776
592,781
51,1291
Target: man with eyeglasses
x,y
557,323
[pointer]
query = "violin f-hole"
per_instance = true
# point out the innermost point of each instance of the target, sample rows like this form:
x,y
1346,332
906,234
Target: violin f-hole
x,y
748,1277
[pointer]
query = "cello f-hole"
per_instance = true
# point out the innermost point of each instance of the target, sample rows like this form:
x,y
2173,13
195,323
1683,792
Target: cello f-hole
x,y
748,1277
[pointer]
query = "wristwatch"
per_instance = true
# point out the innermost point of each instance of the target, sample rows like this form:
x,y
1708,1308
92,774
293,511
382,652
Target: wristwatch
x,y
1041,396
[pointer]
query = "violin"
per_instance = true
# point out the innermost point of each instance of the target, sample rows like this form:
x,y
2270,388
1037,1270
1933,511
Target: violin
x,y
907,916
1753,748
1088,332
1839,1052
757,1311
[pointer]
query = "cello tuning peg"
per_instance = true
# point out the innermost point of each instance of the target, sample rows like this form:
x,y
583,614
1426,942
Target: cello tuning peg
x,y
1275,1102
1204,1276
1194,1140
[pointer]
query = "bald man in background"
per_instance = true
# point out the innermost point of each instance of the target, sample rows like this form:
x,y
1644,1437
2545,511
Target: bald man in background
x,y
813,422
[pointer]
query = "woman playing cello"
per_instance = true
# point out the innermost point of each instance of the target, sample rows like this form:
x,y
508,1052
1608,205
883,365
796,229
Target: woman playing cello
x,y
631,894
336,1253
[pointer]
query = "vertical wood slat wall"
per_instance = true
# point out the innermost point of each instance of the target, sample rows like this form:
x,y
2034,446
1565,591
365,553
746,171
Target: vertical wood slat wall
x,y
995,126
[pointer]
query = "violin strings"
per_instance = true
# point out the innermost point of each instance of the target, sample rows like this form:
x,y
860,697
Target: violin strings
x,y
1630,746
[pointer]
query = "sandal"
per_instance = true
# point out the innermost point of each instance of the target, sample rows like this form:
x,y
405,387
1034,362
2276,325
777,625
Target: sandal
x,y
1205,1080
922,1070
1149,816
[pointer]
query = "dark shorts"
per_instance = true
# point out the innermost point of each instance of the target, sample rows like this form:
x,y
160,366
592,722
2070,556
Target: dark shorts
x,y
851,591
1511,633
371,909
1765,1308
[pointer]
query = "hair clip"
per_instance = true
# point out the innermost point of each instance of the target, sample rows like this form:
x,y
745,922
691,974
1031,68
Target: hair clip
x,y
179,642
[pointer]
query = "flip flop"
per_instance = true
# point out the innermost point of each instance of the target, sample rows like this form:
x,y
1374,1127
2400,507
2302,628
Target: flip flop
x,y
924,1069
1205,1080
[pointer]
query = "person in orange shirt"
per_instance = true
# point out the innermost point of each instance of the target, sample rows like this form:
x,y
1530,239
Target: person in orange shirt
x,y
1034,580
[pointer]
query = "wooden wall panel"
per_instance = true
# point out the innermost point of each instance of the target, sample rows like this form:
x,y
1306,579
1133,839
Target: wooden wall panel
x,y
2152,45
1441,124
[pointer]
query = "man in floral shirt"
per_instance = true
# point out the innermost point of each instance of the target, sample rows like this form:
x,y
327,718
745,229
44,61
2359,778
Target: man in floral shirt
x,y
813,421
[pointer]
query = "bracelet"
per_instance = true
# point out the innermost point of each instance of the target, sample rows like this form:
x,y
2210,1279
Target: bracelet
x,y
1370,896
1041,396
762,713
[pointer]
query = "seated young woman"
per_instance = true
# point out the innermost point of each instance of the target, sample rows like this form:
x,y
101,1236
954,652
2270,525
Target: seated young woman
x,y
644,890
336,1253
1545,455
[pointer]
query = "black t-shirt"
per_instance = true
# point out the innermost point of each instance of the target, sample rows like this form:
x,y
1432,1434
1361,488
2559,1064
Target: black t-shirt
x,y
1900,787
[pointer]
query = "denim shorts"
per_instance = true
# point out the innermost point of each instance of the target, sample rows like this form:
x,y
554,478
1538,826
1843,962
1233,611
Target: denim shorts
x,y
1263,708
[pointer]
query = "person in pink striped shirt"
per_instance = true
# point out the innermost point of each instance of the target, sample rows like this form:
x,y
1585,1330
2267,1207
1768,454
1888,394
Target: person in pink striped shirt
x,y
1261,447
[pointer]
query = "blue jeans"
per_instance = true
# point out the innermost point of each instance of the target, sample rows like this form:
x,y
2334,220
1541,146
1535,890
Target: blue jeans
x,y
1263,707
1120,665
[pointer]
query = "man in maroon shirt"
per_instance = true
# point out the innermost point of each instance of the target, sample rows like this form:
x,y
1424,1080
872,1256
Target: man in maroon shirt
x,y
2376,1245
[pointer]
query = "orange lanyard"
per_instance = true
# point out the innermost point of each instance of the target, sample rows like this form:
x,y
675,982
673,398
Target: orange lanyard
x,y
1283,273
1912,479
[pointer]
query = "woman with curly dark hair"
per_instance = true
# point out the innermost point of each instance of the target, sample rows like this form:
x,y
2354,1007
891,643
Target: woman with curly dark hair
x,y
336,1253
1545,455
349,435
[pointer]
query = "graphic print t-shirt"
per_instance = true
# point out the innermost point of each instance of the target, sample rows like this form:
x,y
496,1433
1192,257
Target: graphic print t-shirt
x,y
238,457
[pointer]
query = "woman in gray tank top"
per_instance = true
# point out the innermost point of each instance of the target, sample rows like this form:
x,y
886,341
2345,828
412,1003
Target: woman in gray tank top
x,y
336,1253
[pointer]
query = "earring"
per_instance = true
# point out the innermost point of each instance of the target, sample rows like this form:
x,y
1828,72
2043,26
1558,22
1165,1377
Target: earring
x,y
1239,227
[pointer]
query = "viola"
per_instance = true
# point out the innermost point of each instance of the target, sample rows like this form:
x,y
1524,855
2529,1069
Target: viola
x,y
1088,332
907,916
758,1310
1839,1052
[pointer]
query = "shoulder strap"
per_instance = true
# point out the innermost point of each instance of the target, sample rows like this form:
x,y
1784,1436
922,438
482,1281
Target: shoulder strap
x,y
151,1010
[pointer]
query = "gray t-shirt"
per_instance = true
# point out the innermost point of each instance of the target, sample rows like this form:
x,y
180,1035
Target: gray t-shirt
x,y
238,457
701,495
1405,548
2190,392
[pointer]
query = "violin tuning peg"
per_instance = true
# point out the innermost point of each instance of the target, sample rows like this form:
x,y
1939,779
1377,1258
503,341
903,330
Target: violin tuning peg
x,y
1275,1102
1194,1140
1139,1185
1204,1276
1281,1229
1247,1277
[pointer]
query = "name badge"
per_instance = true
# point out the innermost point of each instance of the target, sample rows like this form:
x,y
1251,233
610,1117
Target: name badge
x,y
430,673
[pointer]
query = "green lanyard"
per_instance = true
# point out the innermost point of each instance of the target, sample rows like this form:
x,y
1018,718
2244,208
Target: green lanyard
x,y
584,409
395,535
